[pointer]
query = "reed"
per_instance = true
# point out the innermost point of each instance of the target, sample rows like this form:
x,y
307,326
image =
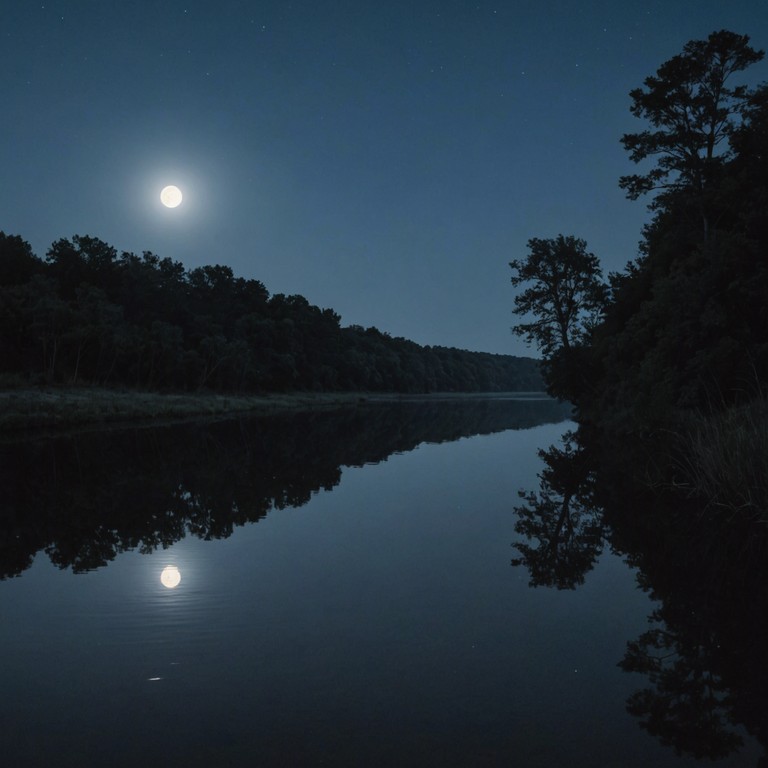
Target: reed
x,y
724,459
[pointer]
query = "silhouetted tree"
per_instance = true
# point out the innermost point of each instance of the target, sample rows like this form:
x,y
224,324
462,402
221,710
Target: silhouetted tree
x,y
17,262
565,294
692,111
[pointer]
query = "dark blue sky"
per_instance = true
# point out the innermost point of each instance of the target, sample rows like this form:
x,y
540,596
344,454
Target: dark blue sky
x,y
384,159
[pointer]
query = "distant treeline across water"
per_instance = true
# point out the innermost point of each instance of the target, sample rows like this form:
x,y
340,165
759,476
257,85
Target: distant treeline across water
x,y
88,314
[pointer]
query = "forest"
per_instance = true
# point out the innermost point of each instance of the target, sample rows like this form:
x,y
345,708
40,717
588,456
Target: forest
x,y
684,327
88,315
666,363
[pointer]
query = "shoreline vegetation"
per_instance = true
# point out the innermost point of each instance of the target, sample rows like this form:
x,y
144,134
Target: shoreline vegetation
x,y
671,354
54,408
724,459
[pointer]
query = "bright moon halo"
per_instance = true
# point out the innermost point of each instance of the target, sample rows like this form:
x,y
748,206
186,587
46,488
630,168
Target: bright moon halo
x,y
170,576
171,196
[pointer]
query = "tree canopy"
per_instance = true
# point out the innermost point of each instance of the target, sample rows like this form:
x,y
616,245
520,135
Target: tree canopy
x,y
688,325
692,110
565,293
685,325
88,314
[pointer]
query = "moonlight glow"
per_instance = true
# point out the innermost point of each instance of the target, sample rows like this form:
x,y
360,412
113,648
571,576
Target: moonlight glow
x,y
170,577
171,196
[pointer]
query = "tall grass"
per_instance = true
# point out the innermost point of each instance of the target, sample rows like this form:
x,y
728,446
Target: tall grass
x,y
724,459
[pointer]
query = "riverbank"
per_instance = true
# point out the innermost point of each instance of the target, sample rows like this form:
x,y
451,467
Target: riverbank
x,y
724,459
54,408
63,408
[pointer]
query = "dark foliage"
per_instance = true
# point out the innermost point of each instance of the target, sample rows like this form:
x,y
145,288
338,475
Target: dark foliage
x,y
686,323
692,111
88,314
565,294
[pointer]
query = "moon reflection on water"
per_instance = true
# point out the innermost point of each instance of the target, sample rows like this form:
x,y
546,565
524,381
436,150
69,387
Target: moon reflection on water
x,y
170,577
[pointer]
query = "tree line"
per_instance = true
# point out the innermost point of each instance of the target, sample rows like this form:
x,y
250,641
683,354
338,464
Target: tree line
x,y
87,314
685,325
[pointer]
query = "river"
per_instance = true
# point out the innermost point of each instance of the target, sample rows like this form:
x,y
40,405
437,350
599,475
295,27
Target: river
x,y
331,588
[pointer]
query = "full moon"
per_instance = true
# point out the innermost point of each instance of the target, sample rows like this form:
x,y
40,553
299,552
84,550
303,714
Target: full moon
x,y
171,196
170,576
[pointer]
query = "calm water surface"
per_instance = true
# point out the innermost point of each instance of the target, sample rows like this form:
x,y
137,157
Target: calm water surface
x,y
371,617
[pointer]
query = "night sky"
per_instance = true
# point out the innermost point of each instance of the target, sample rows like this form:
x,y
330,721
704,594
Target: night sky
x,y
384,159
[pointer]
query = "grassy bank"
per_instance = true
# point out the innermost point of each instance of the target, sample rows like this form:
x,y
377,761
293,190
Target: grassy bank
x,y
24,409
61,408
725,459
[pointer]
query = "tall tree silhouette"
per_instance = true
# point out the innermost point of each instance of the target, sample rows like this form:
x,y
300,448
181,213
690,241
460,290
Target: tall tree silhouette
x,y
692,110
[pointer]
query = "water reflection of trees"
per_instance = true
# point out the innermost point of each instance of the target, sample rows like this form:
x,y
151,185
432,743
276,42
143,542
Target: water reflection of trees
x,y
705,653
686,705
706,650
83,499
561,517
